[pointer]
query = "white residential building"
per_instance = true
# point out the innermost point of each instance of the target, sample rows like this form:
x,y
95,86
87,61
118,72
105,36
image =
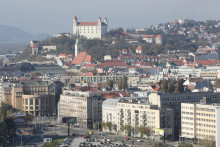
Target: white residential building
x,y
109,113
199,121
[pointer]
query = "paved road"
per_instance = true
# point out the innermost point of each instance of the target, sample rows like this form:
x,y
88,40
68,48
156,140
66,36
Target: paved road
x,y
76,141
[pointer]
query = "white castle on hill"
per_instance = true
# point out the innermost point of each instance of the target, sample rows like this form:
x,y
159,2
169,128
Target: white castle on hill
x,y
90,30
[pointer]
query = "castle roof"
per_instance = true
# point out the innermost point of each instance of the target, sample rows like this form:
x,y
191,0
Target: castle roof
x,y
87,23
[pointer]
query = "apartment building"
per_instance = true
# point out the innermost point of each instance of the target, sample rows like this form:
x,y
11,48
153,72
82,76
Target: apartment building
x,y
173,101
85,106
97,78
36,98
136,113
109,113
198,121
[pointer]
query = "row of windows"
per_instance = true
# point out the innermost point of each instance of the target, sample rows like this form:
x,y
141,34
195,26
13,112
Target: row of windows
x,y
205,130
187,118
208,115
207,120
189,113
205,125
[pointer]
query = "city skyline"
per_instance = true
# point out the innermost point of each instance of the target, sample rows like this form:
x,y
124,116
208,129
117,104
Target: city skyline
x,y
57,15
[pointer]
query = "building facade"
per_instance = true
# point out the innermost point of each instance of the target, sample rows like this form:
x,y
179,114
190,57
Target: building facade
x,y
136,113
173,101
109,113
85,106
36,98
90,30
198,122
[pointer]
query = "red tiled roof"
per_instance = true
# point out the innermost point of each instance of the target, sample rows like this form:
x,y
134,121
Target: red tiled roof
x,y
74,18
87,23
62,54
88,58
79,59
124,50
207,62
112,64
145,64
139,48
69,56
179,63
124,94
35,45
89,74
149,36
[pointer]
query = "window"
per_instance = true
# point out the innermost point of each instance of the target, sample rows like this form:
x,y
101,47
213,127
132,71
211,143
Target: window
x,y
36,101
31,101
26,101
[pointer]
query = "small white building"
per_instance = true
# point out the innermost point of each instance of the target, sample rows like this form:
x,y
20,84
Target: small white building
x,y
49,48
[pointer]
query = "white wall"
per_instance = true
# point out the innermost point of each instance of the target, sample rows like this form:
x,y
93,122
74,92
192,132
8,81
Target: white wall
x,y
217,114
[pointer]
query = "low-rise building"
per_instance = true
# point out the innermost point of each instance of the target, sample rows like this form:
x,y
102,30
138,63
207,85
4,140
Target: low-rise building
x,y
36,98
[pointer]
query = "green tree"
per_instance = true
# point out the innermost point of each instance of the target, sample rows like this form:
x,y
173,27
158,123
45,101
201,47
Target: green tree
x,y
3,112
208,142
171,86
179,87
122,83
7,126
110,83
127,128
217,83
143,130
35,74
164,85
109,126
185,144
104,125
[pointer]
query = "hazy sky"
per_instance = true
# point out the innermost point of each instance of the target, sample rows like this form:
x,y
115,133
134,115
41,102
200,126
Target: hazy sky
x,y
54,16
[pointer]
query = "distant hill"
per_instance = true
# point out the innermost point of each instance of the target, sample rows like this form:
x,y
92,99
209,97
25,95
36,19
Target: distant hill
x,y
9,34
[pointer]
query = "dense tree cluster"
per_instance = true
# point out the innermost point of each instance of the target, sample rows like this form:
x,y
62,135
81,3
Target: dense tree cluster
x,y
170,86
7,126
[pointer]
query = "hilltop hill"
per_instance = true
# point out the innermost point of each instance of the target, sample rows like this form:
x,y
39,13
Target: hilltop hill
x,y
9,34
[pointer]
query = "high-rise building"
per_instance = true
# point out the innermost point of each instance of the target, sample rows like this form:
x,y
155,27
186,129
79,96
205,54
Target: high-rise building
x,y
199,122
90,30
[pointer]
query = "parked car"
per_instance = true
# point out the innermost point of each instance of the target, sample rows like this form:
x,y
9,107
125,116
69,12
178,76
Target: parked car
x,y
127,138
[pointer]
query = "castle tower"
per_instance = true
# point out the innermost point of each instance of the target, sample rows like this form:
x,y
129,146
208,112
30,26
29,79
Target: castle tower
x,y
106,21
78,44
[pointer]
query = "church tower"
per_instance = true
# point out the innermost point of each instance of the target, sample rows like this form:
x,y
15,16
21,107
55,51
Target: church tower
x,y
78,44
